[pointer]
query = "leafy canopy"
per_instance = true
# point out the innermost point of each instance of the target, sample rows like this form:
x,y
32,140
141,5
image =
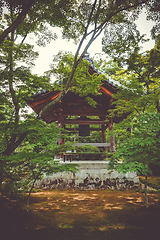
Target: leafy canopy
x,y
83,83
136,152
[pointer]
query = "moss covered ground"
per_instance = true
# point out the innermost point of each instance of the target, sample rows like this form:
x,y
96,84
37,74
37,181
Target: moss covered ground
x,y
85,215
152,181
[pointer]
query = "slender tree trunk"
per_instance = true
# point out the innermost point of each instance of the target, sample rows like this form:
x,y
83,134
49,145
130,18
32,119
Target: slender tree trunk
x,y
94,34
14,141
30,194
1,174
11,79
146,197
158,106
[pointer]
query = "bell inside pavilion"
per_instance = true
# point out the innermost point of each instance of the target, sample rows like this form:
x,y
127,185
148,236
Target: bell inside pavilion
x,y
74,105
92,174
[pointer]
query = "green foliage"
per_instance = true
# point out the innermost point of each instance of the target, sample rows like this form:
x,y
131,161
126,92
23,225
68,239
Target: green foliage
x,y
88,152
73,16
17,84
27,145
104,14
34,158
141,148
107,67
95,137
82,84
39,15
21,150
153,10
153,185
121,40
87,148
139,90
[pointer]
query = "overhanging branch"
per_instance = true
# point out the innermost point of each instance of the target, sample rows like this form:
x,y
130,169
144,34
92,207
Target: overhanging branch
x,y
18,20
95,33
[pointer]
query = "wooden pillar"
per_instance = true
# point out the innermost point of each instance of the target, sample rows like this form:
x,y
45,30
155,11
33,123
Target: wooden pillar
x,y
104,139
104,136
112,140
60,125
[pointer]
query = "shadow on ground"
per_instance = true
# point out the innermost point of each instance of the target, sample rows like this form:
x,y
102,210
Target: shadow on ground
x,y
130,223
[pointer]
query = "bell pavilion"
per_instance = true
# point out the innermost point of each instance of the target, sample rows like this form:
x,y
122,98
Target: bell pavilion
x,y
92,174
74,105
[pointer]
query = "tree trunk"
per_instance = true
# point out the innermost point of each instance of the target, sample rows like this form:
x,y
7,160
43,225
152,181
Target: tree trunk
x,y
146,197
14,144
94,34
1,174
158,106
30,194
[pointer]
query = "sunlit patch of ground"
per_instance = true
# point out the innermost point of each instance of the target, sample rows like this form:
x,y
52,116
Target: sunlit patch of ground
x,y
111,206
89,208
98,211
58,199
104,228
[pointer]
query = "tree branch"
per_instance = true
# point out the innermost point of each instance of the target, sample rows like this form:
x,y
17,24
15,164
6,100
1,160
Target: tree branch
x,y
18,20
85,33
95,33
14,144
103,25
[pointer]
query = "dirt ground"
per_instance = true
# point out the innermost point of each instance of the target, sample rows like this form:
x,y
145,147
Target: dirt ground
x,y
75,214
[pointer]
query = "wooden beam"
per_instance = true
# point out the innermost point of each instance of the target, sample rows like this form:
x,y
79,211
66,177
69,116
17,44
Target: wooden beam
x,y
84,122
93,144
84,112
77,129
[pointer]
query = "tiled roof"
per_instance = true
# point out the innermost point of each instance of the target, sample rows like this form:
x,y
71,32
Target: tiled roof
x,y
95,70
92,69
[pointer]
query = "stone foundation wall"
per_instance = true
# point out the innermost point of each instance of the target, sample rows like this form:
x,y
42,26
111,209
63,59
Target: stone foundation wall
x,y
91,175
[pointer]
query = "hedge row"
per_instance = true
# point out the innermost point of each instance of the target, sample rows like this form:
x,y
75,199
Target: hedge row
x,y
149,184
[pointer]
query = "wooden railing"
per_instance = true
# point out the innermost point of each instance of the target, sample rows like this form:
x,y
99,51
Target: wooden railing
x,y
98,156
82,155
93,144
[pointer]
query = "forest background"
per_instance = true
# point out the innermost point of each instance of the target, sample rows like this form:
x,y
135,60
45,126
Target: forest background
x,y
26,142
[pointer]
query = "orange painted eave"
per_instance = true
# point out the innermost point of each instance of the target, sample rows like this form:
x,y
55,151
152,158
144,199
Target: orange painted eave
x,y
46,100
104,90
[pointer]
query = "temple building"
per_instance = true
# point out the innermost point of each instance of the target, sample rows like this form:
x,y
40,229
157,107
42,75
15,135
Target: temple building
x,y
74,105
92,173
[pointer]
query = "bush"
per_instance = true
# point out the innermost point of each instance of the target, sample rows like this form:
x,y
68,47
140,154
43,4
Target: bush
x,y
87,148
149,184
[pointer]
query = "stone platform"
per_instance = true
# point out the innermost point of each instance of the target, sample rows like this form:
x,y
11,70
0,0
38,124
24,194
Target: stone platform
x,y
91,175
